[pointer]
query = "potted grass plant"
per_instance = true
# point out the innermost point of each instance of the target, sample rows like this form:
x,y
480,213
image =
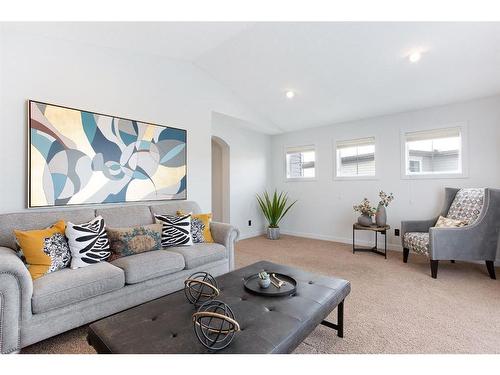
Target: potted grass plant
x,y
274,209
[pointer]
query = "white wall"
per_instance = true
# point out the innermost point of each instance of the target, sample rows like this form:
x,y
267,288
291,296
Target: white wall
x,y
147,88
217,172
325,210
250,171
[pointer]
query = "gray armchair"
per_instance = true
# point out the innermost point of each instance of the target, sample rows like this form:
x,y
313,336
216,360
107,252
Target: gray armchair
x,y
478,240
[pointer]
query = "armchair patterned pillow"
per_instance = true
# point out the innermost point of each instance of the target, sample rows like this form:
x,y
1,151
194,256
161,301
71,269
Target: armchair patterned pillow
x,y
467,205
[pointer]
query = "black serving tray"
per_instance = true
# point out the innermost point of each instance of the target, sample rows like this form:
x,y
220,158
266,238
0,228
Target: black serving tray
x,y
252,285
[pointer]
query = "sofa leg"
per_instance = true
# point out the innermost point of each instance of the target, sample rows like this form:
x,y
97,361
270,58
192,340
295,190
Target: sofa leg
x,y
490,265
452,261
434,268
406,252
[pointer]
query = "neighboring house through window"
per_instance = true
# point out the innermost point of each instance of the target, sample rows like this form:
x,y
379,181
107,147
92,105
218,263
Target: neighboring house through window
x,y
433,152
300,163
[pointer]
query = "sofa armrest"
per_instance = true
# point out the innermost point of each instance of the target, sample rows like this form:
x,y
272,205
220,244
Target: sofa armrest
x,y
416,226
227,235
16,289
465,243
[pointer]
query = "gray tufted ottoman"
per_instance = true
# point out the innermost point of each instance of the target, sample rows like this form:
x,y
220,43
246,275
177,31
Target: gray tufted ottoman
x,y
268,325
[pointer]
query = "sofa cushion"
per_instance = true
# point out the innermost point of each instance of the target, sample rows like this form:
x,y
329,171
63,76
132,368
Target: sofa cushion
x,y
126,216
467,205
67,286
36,220
171,208
418,242
200,253
145,266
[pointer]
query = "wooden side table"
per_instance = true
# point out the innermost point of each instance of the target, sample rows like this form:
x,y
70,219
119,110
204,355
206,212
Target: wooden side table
x,y
377,230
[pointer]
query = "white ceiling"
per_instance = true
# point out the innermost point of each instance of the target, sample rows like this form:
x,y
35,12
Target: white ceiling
x,y
175,40
347,71
341,71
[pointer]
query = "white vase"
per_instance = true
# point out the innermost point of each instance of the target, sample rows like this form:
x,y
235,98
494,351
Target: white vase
x,y
273,233
381,216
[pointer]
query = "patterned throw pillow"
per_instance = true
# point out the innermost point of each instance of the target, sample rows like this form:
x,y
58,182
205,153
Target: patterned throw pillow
x,y
444,222
467,205
135,240
44,250
88,242
176,230
200,227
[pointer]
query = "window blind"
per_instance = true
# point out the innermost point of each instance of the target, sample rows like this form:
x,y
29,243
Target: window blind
x,y
355,143
432,134
356,157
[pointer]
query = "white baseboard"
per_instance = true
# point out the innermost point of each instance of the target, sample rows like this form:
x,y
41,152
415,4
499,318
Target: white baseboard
x,y
315,236
251,234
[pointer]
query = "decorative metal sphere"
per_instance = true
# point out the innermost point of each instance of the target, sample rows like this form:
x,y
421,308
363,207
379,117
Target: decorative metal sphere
x,y
214,325
200,287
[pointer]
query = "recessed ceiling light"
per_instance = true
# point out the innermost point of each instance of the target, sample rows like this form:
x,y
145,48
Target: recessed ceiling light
x,y
415,56
290,94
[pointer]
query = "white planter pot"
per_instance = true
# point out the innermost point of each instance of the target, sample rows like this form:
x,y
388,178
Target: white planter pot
x,y
273,233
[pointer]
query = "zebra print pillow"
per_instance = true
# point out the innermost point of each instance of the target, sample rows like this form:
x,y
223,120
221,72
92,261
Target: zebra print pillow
x,y
88,242
176,230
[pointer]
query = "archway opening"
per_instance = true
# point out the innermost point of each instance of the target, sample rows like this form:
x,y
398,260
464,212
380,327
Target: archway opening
x,y
220,180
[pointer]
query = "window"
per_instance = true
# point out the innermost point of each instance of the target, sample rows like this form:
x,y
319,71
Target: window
x,y
300,163
433,152
415,164
355,158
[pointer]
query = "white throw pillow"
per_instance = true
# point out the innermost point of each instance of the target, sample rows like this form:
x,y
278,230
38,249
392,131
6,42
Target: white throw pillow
x,y
445,222
88,242
176,230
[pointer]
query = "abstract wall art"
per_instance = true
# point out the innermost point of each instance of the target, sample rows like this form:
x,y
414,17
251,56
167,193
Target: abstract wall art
x,y
78,157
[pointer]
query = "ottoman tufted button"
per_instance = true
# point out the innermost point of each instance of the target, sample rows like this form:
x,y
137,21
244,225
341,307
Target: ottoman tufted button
x,y
311,282
174,335
154,318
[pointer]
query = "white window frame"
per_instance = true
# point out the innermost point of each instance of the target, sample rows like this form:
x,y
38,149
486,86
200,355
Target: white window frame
x,y
464,155
308,147
351,178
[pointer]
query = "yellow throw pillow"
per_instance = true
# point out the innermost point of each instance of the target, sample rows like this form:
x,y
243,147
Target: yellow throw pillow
x,y
444,222
205,220
45,250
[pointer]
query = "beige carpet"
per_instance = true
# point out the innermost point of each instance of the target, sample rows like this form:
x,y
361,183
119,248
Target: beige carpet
x,y
393,307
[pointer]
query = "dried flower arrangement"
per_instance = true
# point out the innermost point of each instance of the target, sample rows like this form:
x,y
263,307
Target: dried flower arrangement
x,y
365,208
385,199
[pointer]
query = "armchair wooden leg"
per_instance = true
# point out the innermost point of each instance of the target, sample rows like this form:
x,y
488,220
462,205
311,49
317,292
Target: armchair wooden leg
x,y
434,268
406,252
490,265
